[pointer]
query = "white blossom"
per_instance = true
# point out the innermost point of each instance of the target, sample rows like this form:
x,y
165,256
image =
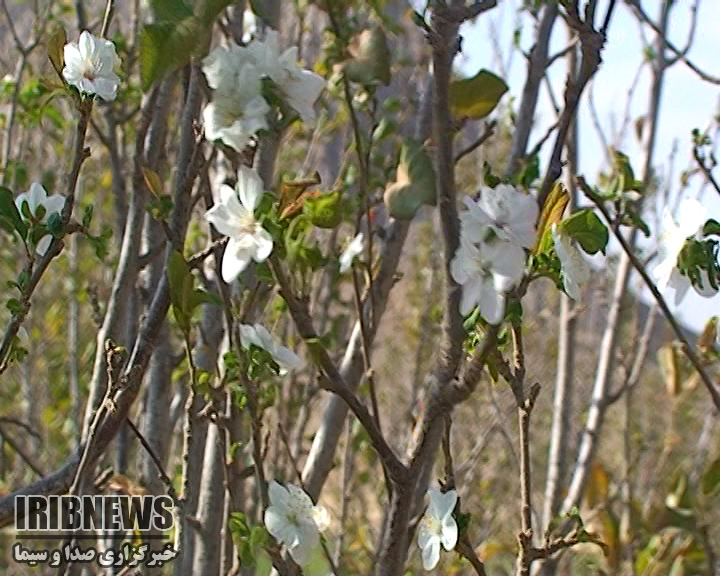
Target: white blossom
x,y
353,249
486,272
249,25
237,110
89,66
691,216
294,521
299,87
236,219
259,336
437,527
36,197
575,270
508,212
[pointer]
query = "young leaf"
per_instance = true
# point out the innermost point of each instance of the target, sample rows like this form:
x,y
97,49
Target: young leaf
x,y
152,181
166,46
552,213
711,227
324,210
711,478
10,218
476,97
55,48
181,290
585,227
170,10
292,194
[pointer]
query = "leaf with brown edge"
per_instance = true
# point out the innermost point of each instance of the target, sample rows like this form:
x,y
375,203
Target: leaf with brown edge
x,y
706,341
668,360
552,213
291,193
152,181
55,50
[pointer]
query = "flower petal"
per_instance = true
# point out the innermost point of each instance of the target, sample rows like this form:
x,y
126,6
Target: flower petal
x,y
280,527
449,534
431,554
277,493
53,204
250,188
471,293
263,244
235,259
222,220
492,304
43,245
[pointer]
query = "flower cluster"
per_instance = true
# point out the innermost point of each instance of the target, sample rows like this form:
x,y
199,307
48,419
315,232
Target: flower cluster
x,y
234,217
490,261
438,527
235,73
90,64
293,520
40,207
692,216
259,336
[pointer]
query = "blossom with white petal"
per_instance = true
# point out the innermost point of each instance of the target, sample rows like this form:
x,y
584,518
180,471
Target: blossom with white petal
x,y
437,527
237,110
353,249
235,218
691,217
299,87
294,520
508,212
36,197
89,66
249,25
259,336
575,270
486,272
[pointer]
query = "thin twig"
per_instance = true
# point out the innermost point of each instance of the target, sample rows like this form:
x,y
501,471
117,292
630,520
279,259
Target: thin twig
x,y
487,133
153,455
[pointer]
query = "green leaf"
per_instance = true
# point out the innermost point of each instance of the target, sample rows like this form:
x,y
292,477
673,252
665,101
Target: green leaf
x,y
170,10
586,228
14,306
476,97
711,478
324,210
181,290
712,227
166,46
87,215
263,563
318,564
179,31
10,218
55,50
202,297
55,225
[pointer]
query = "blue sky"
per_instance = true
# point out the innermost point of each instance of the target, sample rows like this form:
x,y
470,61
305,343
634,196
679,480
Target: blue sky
x,y
687,102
